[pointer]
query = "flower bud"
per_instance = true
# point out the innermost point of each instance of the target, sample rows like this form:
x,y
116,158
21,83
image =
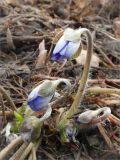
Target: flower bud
x,y
68,45
95,116
30,129
40,96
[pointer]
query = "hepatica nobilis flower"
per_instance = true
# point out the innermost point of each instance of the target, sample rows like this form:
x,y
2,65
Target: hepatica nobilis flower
x,y
40,96
68,45
96,116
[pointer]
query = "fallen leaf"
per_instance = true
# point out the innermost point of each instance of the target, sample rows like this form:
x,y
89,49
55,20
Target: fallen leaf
x,y
10,42
42,54
81,3
82,57
87,8
116,26
105,136
57,36
32,2
14,3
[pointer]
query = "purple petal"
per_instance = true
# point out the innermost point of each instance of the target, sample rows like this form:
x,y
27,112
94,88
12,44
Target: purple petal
x,y
72,48
39,103
56,57
61,54
77,120
60,45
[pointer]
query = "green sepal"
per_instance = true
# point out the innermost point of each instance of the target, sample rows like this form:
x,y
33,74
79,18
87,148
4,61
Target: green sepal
x,y
18,120
18,117
63,136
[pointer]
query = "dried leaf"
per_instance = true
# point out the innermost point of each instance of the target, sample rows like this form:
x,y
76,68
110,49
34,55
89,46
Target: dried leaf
x,y
105,136
90,8
81,3
10,42
116,26
23,69
57,36
42,54
82,57
31,2
14,3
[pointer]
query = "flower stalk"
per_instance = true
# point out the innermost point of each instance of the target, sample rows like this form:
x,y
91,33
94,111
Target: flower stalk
x,y
83,81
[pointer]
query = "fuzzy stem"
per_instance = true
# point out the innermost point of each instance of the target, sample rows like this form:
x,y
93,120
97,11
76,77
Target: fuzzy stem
x,y
26,151
19,151
36,147
34,153
83,81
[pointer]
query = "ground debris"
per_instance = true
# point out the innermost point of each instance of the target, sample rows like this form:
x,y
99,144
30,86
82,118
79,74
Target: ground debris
x,y
27,30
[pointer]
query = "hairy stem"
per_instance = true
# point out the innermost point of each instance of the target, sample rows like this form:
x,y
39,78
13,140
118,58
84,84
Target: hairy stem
x,y
83,81
19,151
31,157
26,151
34,154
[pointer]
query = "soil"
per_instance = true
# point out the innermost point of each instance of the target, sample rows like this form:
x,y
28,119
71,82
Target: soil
x,y
24,24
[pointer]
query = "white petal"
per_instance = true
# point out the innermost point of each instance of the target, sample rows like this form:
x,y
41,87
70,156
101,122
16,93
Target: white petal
x,y
72,49
60,44
72,35
34,93
47,114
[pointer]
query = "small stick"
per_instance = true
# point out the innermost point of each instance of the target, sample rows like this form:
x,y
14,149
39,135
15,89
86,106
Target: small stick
x,y
24,38
103,80
114,119
105,57
106,138
110,102
98,90
42,77
10,147
3,108
47,154
7,113
3,91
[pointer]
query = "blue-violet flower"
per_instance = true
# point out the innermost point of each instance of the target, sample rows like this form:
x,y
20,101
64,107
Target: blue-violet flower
x,y
40,96
67,46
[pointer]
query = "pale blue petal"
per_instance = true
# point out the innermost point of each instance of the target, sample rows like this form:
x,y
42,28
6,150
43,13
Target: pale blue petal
x,y
72,48
60,45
